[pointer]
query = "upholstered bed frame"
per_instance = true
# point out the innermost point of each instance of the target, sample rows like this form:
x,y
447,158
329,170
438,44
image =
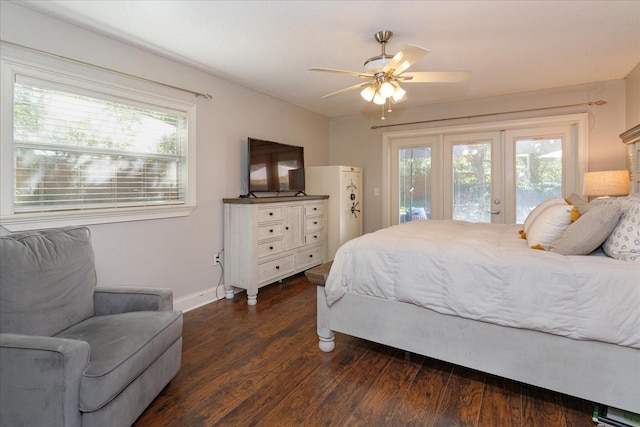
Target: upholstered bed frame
x,y
600,372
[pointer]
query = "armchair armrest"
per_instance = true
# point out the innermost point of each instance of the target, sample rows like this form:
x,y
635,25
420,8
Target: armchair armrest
x,y
124,299
40,379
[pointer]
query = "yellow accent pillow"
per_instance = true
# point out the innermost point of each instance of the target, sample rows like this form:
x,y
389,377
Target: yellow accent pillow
x,y
575,214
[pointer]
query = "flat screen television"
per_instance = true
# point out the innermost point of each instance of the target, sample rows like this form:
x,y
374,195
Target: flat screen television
x,y
275,167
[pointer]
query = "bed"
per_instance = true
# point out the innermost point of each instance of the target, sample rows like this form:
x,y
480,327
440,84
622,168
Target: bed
x,y
477,295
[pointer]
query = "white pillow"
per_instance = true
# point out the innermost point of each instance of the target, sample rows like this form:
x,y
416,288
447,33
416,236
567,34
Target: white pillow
x,y
549,224
624,241
538,210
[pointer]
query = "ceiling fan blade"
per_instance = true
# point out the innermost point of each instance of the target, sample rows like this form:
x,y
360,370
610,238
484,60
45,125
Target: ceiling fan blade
x,y
347,89
405,58
434,77
347,73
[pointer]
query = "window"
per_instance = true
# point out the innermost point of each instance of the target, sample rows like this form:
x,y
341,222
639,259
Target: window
x,y
85,150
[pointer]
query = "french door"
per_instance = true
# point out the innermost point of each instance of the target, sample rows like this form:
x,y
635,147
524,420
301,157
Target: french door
x,y
489,175
472,179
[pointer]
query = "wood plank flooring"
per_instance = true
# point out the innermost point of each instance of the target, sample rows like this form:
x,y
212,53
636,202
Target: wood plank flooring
x,y
261,366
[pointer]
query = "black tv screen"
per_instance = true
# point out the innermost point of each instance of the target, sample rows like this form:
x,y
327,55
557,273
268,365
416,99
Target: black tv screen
x,y
275,167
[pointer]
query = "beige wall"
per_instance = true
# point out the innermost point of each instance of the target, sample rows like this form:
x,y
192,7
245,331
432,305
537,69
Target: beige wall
x,y
353,142
632,95
177,253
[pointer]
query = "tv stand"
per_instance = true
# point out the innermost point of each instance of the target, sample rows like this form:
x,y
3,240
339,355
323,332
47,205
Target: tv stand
x,y
278,194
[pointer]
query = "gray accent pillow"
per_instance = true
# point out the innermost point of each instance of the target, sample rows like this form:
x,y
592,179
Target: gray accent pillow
x,y
590,230
47,280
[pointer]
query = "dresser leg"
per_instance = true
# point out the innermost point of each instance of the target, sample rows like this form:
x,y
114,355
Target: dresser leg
x,y
252,299
228,293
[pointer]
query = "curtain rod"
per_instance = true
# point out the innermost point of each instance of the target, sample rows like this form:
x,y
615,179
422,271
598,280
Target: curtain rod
x,y
66,58
600,102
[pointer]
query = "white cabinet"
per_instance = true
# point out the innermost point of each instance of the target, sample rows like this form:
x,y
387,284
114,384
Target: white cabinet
x,y
343,184
267,239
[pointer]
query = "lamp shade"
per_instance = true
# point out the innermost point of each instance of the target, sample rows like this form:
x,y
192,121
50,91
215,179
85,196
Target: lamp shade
x,y
606,183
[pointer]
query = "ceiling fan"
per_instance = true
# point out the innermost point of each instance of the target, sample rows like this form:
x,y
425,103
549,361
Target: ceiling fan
x,y
384,73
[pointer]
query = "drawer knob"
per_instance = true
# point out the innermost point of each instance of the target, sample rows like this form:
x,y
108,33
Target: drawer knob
x,y
271,230
271,247
277,267
315,209
270,213
315,237
286,228
310,256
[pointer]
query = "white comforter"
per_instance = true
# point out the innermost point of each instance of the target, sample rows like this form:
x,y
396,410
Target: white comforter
x,y
486,272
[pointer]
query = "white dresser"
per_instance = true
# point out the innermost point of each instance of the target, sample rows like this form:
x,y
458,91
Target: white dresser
x,y
267,239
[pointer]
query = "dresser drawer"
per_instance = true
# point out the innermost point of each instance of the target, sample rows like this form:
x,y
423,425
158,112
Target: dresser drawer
x,y
269,270
313,224
269,231
269,248
313,237
313,210
310,256
269,214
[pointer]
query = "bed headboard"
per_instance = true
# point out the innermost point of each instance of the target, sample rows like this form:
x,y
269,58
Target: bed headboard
x,y
631,138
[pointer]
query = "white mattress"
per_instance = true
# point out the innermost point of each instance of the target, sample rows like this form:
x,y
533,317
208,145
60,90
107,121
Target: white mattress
x,y
486,272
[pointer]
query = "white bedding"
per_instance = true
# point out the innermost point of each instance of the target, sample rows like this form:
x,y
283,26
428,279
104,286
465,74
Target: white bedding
x,y
486,272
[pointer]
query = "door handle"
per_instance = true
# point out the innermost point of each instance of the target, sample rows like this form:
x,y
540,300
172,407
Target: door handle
x,y
493,212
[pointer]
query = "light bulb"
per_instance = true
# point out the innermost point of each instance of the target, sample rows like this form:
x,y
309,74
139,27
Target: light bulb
x,y
368,93
387,90
399,94
379,99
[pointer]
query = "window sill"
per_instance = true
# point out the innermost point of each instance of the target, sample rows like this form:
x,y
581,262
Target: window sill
x,y
32,221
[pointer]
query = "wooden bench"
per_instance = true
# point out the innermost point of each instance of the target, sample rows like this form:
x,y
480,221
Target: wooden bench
x,y
318,275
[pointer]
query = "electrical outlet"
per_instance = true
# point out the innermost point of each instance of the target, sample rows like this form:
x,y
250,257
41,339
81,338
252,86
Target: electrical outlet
x,y
216,259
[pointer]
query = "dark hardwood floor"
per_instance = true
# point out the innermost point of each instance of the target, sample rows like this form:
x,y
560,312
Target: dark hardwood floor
x,y
246,366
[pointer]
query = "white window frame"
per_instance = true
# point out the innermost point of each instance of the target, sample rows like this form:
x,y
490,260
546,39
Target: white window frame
x,y
9,68
572,180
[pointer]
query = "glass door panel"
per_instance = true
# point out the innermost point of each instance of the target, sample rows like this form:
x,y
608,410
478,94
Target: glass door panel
x,y
414,167
472,181
538,167
472,178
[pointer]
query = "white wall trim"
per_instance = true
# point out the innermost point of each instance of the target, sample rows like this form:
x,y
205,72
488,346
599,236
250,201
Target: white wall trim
x,y
198,299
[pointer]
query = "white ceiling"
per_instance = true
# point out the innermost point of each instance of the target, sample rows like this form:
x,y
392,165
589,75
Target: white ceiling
x,y
509,46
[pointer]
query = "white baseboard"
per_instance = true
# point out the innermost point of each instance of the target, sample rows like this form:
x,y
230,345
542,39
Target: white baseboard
x,y
198,299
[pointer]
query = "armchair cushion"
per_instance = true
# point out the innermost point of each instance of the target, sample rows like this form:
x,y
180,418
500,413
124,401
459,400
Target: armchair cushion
x,y
122,347
37,269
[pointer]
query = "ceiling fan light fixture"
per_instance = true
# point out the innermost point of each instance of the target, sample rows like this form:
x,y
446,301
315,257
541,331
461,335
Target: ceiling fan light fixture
x,y
379,99
399,94
368,93
387,90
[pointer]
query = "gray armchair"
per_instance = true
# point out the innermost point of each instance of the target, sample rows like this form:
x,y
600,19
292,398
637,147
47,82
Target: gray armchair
x,y
71,353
